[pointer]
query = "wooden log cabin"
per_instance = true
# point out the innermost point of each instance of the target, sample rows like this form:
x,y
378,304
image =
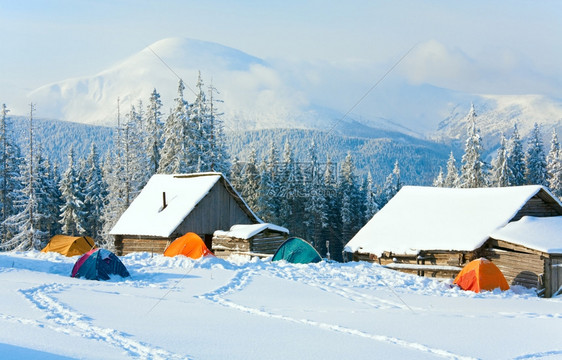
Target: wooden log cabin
x,y
258,239
436,231
171,205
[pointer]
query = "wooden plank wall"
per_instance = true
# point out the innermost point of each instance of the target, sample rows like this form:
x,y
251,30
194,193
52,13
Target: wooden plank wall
x,y
267,243
555,275
217,211
156,246
537,207
435,258
262,243
519,268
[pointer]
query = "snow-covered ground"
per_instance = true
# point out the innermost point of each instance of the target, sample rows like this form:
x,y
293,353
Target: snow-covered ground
x,y
177,308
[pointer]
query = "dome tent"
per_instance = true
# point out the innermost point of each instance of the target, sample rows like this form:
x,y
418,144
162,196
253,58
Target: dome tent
x,y
189,245
69,245
481,274
99,264
297,251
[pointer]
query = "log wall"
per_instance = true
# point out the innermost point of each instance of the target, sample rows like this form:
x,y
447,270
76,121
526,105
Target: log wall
x,y
266,242
124,245
553,275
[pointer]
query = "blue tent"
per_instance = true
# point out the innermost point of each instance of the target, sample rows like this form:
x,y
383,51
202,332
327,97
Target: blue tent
x,y
297,251
99,264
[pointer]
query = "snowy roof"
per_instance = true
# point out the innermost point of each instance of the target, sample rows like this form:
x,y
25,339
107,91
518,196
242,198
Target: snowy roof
x,y
145,215
539,233
432,218
247,231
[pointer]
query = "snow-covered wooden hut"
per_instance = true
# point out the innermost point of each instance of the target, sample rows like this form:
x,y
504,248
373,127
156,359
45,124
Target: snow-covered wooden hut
x,y
171,205
436,231
258,239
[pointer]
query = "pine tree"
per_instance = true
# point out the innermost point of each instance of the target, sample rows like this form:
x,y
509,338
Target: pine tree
x,y
25,223
287,187
236,174
392,185
202,131
516,159
72,212
251,181
351,216
332,230
554,166
268,203
179,154
440,179
535,159
473,169
452,178
94,194
500,170
371,206
315,205
10,164
49,197
153,140
220,160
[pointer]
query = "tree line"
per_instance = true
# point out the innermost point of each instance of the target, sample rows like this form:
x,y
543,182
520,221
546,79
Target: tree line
x,y
512,165
321,201
88,197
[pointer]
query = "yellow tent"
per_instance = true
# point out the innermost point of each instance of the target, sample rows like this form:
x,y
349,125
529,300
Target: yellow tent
x,y
70,245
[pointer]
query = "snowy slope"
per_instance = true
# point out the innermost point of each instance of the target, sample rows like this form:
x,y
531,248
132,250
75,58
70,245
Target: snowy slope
x,y
253,92
176,308
275,94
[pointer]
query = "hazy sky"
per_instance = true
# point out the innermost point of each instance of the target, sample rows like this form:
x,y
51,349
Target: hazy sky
x,y
477,46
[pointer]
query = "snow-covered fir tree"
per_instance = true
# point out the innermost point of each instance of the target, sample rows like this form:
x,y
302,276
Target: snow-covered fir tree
x,y
554,166
535,159
391,186
288,188
114,202
348,190
440,179
236,174
331,232
250,181
473,169
220,160
10,164
94,194
516,159
500,170
153,139
202,131
178,151
25,224
72,213
268,201
50,197
452,177
315,205
371,206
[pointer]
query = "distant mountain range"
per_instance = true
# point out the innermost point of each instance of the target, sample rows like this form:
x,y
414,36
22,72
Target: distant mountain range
x,y
261,101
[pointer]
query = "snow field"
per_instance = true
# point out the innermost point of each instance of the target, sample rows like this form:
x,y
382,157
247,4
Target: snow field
x,y
177,308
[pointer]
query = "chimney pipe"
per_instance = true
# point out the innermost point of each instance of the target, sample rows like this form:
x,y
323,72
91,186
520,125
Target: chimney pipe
x,y
164,200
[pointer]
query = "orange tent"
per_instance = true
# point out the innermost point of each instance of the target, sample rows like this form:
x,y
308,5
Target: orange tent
x,y
481,274
69,245
189,245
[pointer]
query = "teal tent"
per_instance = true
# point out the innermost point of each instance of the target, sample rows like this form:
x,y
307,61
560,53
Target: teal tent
x,y
297,251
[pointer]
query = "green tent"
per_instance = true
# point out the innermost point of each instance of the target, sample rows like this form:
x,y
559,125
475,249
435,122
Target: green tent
x,y
297,251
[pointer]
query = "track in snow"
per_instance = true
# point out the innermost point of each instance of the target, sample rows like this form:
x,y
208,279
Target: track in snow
x,y
64,319
243,278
